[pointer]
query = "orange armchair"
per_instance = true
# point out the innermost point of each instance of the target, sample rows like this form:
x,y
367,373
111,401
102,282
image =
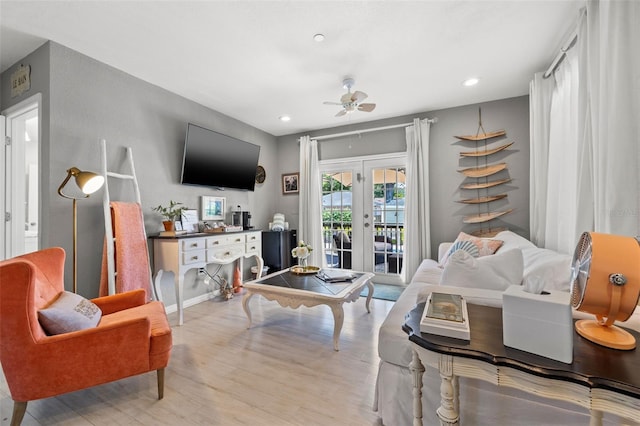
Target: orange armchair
x,y
132,337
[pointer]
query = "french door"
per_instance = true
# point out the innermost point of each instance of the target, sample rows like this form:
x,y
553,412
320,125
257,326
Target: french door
x,y
363,215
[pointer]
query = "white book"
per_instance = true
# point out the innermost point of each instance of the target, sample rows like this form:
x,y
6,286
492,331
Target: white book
x,y
446,315
335,275
172,233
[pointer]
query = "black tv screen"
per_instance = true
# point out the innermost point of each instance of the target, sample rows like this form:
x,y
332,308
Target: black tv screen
x,y
217,160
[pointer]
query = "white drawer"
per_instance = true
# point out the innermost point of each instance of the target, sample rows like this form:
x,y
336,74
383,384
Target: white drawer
x,y
193,256
253,247
254,237
215,242
224,253
224,240
235,239
192,244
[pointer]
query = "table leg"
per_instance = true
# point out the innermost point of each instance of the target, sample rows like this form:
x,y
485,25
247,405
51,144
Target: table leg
x,y
596,418
447,411
417,370
338,319
245,306
179,282
369,294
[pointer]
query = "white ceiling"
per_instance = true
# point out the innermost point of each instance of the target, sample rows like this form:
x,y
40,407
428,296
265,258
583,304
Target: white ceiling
x,y
256,60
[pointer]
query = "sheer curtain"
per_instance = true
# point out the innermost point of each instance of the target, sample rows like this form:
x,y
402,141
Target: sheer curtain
x,y
612,68
540,91
417,218
561,198
590,180
310,204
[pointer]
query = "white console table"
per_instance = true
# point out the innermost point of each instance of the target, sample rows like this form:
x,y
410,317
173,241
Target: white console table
x,y
182,253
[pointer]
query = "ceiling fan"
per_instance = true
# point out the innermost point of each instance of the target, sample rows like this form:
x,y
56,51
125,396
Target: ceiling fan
x,y
352,101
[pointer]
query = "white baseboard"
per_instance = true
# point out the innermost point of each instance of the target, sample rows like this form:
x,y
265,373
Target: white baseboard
x,y
193,301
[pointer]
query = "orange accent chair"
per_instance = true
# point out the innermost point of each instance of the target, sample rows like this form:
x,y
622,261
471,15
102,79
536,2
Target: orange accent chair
x,y
132,337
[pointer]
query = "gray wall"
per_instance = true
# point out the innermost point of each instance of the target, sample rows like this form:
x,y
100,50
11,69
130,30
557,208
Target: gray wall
x,y
86,101
511,115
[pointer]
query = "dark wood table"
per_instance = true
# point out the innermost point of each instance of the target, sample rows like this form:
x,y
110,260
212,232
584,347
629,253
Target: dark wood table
x,y
599,379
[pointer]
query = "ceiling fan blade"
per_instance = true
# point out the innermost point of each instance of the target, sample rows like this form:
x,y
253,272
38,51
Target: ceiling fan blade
x,y
358,96
346,98
331,103
366,107
341,113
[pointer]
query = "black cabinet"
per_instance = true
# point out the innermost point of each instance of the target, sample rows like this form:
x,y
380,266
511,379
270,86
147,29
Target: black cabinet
x,y
276,249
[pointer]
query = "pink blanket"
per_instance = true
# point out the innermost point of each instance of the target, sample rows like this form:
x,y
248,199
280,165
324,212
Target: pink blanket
x,y
131,250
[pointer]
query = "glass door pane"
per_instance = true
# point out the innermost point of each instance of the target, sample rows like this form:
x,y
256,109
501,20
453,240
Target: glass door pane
x,y
387,198
337,201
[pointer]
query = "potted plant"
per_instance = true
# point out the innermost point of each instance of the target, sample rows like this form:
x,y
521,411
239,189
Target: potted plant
x,y
170,213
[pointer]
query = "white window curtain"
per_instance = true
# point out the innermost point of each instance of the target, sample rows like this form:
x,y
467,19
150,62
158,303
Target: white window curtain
x,y
310,203
611,61
590,180
417,217
562,182
539,113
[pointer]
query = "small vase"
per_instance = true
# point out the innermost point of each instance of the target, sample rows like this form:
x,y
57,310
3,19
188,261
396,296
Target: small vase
x,y
169,225
302,263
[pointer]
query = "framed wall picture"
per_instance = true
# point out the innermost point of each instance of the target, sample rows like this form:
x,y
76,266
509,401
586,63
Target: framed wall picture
x,y
212,208
290,183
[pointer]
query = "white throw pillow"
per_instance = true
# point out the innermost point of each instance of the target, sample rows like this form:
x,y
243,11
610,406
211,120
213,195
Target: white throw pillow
x,y
495,272
549,266
69,312
512,240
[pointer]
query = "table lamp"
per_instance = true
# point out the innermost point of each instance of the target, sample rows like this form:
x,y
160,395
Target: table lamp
x,y
88,182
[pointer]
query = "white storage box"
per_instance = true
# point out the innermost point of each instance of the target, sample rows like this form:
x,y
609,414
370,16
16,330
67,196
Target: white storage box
x,y
538,323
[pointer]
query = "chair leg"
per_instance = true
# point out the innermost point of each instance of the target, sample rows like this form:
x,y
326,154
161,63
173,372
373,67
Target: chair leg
x,y
160,383
19,408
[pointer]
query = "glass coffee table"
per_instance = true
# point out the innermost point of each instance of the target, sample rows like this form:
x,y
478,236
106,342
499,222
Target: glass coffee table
x,y
293,290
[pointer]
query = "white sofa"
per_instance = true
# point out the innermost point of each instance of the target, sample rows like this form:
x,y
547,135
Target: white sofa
x,y
481,403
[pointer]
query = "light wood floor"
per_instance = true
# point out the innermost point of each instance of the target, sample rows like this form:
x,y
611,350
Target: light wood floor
x,y
282,371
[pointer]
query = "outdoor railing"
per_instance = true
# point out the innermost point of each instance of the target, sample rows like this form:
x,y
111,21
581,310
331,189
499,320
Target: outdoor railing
x,y
392,234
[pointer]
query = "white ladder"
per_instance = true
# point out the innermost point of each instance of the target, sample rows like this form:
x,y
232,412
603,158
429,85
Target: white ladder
x,y
106,201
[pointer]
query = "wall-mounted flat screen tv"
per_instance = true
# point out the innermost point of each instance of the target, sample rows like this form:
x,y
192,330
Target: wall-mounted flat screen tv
x,y
217,160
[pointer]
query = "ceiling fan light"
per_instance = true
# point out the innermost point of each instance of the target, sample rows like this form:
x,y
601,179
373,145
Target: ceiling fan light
x,y
348,83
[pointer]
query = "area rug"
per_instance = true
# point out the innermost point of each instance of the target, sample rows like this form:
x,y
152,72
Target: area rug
x,y
384,291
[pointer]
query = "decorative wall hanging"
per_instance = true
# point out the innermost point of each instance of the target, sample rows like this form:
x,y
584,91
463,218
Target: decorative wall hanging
x,y
485,189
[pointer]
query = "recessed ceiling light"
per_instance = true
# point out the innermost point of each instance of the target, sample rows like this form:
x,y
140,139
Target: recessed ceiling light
x,y
318,37
284,118
470,82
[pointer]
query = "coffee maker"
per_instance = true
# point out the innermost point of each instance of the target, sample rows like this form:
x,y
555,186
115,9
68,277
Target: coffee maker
x,y
241,218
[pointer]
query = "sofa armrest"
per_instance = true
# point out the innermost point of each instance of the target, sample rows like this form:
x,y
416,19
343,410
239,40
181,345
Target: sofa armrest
x,y
442,250
121,301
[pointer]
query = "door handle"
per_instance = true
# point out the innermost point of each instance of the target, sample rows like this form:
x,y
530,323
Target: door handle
x,y
366,225
366,216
